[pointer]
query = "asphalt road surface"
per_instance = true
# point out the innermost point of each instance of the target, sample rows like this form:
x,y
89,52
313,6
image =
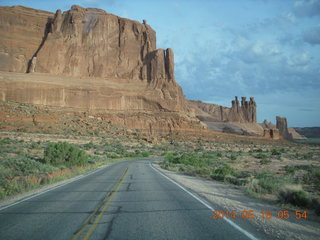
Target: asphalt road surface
x,y
126,200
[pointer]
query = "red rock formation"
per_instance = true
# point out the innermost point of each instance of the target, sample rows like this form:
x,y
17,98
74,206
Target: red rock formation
x,y
239,119
92,43
272,133
283,127
89,60
246,113
22,31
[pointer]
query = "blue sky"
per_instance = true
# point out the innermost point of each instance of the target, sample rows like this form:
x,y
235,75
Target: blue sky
x,y
269,49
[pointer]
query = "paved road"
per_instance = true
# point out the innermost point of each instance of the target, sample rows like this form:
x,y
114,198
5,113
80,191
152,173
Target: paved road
x,y
127,200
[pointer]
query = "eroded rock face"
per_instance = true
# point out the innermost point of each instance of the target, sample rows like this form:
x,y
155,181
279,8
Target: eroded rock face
x,y
22,30
93,43
89,60
244,113
283,127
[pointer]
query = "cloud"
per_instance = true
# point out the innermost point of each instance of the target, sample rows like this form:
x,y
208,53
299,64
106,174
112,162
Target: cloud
x,y
312,36
307,110
249,68
299,60
307,8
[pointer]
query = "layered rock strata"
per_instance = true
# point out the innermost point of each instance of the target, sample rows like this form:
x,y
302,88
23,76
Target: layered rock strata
x,y
87,60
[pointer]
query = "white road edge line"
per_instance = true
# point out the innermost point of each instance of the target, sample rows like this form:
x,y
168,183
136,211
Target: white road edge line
x,y
53,188
249,235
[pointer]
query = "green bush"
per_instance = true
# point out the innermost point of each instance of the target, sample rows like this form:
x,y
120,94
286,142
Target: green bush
x,y
261,156
145,154
294,195
233,157
265,182
63,153
220,172
268,182
265,161
275,152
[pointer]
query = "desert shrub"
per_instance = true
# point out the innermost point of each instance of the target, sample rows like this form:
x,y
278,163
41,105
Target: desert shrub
x,y
235,180
88,145
265,161
261,156
219,173
171,157
275,152
294,195
145,154
316,205
34,145
233,157
4,141
313,177
63,153
268,182
265,182
198,171
22,165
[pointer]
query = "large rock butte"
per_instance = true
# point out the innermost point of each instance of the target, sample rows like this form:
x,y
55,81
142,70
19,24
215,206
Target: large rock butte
x,y
89,60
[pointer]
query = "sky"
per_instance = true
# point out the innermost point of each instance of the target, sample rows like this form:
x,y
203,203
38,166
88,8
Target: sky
x,y
268,49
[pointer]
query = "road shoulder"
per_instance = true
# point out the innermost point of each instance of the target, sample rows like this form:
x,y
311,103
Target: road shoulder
x,y
231,198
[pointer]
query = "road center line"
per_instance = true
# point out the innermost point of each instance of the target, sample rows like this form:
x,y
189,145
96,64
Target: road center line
x,y
103,205
249,235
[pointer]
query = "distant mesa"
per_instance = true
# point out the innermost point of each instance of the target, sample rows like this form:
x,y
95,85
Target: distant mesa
x,y
240,118
310,132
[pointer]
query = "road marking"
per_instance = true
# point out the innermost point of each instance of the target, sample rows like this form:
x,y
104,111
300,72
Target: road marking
x,y
53,188
103,205
249,235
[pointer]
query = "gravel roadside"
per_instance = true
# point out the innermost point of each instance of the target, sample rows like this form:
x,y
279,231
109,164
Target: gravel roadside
x,y
227,197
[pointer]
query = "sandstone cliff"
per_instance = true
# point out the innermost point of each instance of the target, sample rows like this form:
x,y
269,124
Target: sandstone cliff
x,y
90,60
22,30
